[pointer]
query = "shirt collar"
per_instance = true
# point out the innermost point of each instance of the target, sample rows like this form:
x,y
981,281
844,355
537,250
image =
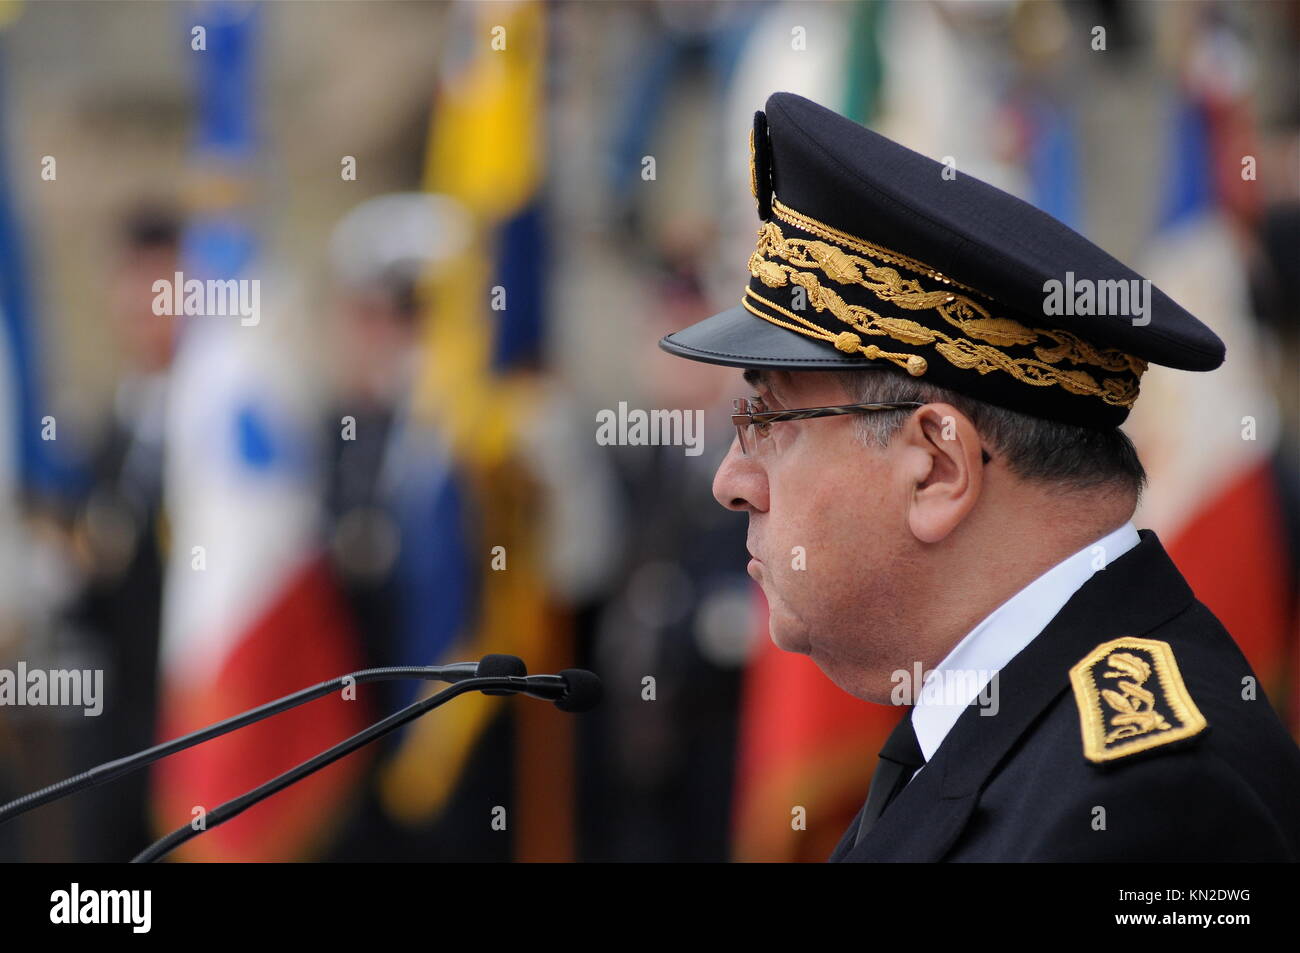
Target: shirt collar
x,y
958,680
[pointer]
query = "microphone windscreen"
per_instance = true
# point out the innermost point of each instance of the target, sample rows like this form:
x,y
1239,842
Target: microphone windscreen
x,y
584,690
501,666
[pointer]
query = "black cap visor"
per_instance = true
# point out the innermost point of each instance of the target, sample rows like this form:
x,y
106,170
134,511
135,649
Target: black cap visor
x,y
737,338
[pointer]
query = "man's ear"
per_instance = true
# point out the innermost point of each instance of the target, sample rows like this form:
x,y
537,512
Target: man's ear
x,y
942,460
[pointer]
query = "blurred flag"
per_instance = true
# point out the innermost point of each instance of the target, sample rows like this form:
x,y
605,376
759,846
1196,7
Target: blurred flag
x,y
20,444
250,612
1208,441
472,573
1052,161
32,462
30,466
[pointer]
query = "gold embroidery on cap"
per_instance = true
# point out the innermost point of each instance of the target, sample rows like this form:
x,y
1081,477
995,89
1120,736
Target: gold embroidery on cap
x,y
776,262
1131,698
970,317
845,341
833,234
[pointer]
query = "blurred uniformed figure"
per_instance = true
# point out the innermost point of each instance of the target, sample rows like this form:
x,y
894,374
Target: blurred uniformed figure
x,y
937,373
378,253
119,536
658,777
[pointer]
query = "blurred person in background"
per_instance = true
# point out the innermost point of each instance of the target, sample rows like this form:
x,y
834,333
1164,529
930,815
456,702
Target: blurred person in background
x,y
375,336
680,611
118,538
657,769
378,253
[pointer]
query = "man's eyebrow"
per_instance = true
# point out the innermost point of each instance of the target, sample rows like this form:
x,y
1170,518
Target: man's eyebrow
x,y
762,380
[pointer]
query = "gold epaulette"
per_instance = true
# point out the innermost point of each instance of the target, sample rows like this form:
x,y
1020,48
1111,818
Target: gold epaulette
x,y
1131,698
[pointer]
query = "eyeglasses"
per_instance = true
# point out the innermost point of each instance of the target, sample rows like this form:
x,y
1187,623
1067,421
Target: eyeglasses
x,y
754,422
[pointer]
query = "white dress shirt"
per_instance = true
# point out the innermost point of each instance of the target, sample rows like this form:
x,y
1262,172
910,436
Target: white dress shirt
x,y
963,674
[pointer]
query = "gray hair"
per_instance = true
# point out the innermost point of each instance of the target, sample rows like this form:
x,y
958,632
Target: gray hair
x,y
1034,448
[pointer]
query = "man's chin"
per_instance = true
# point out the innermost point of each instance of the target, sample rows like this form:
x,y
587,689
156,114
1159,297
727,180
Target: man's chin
x,y
788,634
849,678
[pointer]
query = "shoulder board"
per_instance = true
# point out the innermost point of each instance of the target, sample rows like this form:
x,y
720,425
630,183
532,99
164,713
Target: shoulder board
x,y
1131,698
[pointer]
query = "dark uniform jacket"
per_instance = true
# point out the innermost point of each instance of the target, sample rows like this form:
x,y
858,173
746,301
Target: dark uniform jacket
x,y
1185,765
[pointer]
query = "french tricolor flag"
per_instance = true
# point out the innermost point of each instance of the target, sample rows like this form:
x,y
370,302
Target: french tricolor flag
x,y
250,612
1208,441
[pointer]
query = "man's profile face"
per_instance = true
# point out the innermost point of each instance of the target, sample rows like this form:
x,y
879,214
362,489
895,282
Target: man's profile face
x,y
827,530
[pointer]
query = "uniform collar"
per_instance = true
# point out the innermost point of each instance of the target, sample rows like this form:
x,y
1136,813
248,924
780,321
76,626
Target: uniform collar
x,y
966,670
1139,592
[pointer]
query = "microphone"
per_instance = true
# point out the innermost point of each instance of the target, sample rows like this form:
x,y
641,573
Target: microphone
x,y
498,666
583,691
574,690
489,666
492,666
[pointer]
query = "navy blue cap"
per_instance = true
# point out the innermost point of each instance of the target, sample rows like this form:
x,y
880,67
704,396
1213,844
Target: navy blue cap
x,y
870,254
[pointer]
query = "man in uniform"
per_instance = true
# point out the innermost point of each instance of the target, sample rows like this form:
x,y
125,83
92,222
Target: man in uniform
x,y
940,505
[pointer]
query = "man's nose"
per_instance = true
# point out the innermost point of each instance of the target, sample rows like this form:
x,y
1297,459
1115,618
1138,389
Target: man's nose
x,y
740,483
